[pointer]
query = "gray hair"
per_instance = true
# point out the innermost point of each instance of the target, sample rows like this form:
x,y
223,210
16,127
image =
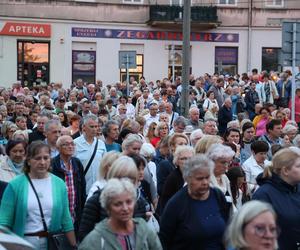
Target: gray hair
x,y
115,187
195,133
106,127
89,117
50,123
181,149
130,139
147,150
233,124
197,162
6,126
288,128
234,235
296,141
180,120
218,151
61,139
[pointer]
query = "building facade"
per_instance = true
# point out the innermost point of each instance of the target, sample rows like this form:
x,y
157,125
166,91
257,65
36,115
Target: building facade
x,y
61,41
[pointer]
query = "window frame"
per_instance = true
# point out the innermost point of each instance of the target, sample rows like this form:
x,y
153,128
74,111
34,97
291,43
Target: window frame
x,y
274,5
122,72
133,1
227,4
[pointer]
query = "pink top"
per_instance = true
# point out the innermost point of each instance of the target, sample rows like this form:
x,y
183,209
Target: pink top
x,y
261,127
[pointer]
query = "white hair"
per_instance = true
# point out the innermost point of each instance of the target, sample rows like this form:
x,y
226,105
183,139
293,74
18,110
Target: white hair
x,y
195,133
181,149
130,139
199,161
289,128
235,232
218,151
115,187
296,141
233,124
147,150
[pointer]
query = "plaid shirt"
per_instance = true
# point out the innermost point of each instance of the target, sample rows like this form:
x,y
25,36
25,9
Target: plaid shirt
x,y
69,180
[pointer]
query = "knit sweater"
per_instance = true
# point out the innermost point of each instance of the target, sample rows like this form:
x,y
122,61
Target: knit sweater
x,y
13,210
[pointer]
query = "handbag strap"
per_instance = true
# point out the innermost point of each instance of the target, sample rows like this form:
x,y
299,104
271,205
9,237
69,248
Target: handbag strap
x,y
91,159
40,206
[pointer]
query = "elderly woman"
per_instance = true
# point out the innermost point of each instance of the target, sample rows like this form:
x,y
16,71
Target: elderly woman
x,y
160,132
148,151
175,180
19,209
289,133
205,142
120,230
12,163
222,156
195,136
280,186
195,217
93,212
7,130
253,227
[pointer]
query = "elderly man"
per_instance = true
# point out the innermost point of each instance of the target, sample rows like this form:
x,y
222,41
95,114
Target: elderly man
x,y
179,125
111,132
194,117
70,170
151,117
38,131
172,115
210,127
90,149
52,133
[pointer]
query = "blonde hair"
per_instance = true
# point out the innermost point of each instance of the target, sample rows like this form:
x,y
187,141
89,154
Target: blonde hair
x,y
159,126
106,163
284,158
173,138
205,142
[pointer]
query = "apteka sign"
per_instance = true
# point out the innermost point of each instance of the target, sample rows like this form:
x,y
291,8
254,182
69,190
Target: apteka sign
x,y
26,29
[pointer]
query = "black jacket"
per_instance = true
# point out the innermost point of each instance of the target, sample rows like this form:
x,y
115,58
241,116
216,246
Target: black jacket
x,y
224,116
79,184
93,213
285,199
36,135
2,188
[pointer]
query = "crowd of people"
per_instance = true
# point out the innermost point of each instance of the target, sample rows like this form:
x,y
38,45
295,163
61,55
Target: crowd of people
x,y
106,170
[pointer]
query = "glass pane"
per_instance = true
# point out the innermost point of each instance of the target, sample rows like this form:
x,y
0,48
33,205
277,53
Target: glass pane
x,y
222,1
36,52
270,59
19,52
278,2
231,1
139,59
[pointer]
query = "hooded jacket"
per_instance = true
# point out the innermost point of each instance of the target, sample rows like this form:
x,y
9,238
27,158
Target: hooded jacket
x,y
285,200
103,238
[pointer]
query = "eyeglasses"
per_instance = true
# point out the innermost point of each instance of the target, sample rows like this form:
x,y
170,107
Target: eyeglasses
x,y
261,231
183,158
72,144
163,128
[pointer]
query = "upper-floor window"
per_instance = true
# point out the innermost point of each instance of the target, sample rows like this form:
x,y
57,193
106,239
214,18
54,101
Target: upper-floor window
x,y
275,3
133,1
228,2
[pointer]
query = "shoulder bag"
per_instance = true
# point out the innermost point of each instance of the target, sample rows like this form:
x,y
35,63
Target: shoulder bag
x,y
56,241
91,159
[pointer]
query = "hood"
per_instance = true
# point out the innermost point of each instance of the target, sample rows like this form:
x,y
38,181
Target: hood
x,y
277,182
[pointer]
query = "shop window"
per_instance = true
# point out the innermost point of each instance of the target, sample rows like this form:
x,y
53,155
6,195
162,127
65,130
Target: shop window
x,y
33,62
175,61
137,73
270,59
84,65
226,60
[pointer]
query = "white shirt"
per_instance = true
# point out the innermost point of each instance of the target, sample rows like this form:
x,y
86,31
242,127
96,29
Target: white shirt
x,y
84,151
252,169
43,188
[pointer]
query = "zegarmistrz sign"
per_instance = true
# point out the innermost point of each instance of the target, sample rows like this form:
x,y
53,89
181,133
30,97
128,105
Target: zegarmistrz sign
x,y
153,35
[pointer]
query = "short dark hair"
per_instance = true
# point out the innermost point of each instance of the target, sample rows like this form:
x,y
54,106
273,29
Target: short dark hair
x,y
139,160
208,93
12,143
106,127
259,146
271,124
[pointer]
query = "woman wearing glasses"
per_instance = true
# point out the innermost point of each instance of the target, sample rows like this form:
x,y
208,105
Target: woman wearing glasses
x,y
280,186
253,227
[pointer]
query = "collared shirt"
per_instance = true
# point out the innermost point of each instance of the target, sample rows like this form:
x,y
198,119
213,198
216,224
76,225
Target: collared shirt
x,y
84,151
252,169
69,180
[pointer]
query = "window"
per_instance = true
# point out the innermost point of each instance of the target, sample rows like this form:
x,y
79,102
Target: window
x,y
84,65
226,60
137,73
133,1
274,3
270,59
175,61
33,62
228,2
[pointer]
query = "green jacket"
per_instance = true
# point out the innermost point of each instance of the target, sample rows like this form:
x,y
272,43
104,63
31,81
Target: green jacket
x,y
13,210
102,238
